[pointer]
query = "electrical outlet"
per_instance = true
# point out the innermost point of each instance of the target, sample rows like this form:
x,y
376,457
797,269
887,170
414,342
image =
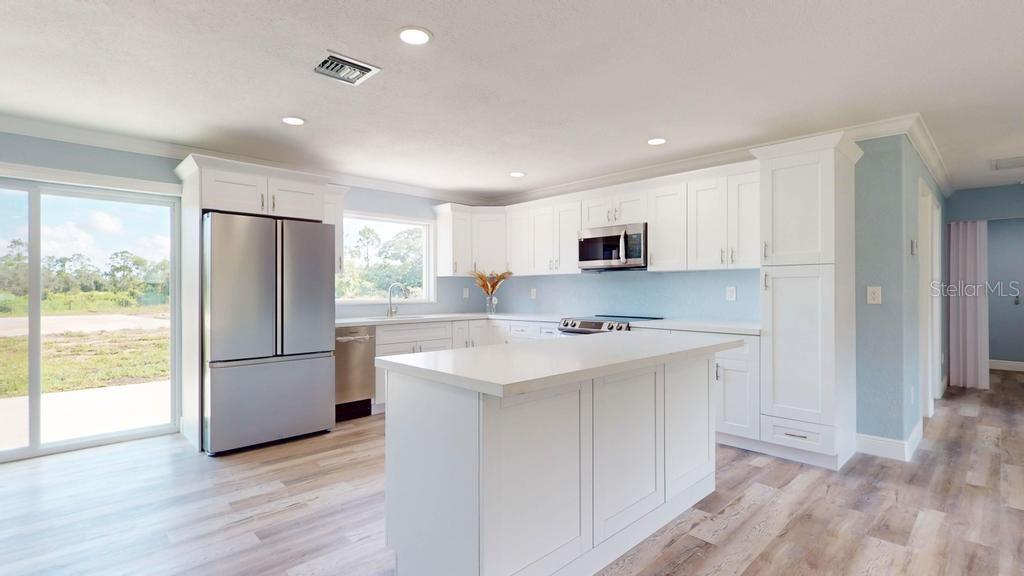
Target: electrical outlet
x,y
874,294
730,293
533,293
465,293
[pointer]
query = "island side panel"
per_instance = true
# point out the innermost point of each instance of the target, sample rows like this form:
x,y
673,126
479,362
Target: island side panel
x,y
537,480
432,467
689,424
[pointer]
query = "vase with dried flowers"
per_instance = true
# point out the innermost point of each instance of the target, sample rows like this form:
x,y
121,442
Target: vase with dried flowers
x,y
488,284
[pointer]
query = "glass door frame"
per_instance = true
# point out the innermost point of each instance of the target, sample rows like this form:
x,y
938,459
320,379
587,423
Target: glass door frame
x,y
35,192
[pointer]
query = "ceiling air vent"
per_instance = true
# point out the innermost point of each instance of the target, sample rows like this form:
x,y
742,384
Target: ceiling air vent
x,y
345,69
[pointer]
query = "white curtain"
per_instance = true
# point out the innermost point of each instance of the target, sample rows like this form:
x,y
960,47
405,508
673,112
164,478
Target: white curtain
x,y
968,304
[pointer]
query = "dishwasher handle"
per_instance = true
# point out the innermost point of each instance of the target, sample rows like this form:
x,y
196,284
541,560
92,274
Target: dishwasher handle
x,y
347,339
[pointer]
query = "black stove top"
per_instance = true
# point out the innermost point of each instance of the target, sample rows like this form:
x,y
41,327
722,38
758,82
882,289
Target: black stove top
x,y
599,323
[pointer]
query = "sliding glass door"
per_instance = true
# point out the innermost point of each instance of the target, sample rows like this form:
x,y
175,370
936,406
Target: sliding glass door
x,y
87,317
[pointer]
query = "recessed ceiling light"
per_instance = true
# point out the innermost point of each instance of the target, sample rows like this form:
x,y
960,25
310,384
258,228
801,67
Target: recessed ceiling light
x,y
293,121
656,141
517,174
415,36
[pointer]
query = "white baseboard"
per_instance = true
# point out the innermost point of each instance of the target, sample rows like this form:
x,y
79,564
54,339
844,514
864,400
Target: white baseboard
x,y
902,450
377,408
1011,365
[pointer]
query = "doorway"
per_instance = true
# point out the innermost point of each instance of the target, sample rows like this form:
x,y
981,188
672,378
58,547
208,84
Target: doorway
x,y
929,242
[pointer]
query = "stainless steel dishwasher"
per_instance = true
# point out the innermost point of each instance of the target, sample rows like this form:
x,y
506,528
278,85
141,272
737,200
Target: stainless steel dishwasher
x,y
354,374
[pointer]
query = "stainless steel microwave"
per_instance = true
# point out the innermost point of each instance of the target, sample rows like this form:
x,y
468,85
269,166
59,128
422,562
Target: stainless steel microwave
x,y
613,247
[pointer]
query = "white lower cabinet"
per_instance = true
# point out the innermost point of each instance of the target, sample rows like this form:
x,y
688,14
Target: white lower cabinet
x,y
798,350
629,462
689,426
536,523
408,339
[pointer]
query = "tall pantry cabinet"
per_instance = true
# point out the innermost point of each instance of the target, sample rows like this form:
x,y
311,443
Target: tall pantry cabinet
x,y
808,339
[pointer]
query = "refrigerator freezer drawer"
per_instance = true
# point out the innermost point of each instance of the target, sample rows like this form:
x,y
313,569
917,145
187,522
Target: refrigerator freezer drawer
x,y
252,403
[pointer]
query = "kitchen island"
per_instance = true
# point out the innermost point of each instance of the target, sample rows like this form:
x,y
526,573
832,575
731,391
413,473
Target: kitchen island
x,y
545,457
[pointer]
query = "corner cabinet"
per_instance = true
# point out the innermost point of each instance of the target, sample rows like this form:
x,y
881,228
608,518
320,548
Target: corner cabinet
x,y
543,238
470,239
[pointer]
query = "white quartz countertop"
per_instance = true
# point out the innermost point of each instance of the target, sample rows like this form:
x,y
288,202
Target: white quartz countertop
x,y
698,326
417,318
519,368
683,325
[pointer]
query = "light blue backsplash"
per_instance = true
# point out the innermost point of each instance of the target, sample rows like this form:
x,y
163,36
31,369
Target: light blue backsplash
x,y
888,397
1006,264
20,149
698,295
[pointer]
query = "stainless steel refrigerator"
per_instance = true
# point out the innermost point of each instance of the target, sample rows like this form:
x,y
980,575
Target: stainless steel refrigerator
x,y
268,329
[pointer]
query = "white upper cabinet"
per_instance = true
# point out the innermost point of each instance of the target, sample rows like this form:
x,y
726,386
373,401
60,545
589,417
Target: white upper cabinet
x,y
334,213
454,240
543,233
489,241
295,199
800,184
798,342
520,241
798,210
625,204
707,224
666,248
244,188
567,238
470,239
744,227
234,191
597,212
630,206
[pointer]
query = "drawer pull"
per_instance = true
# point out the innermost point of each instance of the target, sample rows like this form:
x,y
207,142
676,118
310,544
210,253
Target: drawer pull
x,y
802,436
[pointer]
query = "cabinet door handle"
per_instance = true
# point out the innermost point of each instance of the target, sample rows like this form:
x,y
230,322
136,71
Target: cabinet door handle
x,y
616,214
721,255
791,435
732,255
718,375
455,266
273,203
764,249
472,343
765,281
263,201
608,216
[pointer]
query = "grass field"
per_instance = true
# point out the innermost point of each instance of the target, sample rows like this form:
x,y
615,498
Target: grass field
x,y
76,361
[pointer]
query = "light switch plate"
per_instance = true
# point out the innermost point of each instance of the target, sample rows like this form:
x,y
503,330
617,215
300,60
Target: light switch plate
x,y
465,293
874,294
533,293
730,293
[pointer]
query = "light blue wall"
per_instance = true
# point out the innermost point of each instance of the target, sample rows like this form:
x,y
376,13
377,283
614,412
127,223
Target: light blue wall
x,y
677,295
1006,264
20,149
986,203
888,395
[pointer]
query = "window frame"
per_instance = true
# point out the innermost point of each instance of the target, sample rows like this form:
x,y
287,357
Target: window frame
x,y
429,260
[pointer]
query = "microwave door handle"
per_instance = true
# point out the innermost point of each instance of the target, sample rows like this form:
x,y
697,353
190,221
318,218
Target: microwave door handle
x,y
622,246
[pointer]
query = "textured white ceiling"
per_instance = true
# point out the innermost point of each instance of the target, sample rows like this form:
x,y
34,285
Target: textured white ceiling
x,y
563,90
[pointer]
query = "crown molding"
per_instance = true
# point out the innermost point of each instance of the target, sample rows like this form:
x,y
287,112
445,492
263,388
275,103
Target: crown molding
x,y
122,143
911,124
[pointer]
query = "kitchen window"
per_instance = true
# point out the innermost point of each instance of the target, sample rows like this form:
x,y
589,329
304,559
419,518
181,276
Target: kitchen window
x,y
380,250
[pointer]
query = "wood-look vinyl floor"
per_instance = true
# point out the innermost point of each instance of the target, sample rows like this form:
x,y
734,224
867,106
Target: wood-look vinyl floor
x,y
316,506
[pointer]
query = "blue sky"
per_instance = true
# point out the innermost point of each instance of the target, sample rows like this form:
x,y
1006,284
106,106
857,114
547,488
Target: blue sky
x,y
96,228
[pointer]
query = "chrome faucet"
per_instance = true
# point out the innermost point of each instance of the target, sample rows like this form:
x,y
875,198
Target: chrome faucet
x,y
392,309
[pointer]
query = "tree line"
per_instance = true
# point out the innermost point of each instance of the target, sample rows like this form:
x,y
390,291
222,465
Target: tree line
x,y
126,274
